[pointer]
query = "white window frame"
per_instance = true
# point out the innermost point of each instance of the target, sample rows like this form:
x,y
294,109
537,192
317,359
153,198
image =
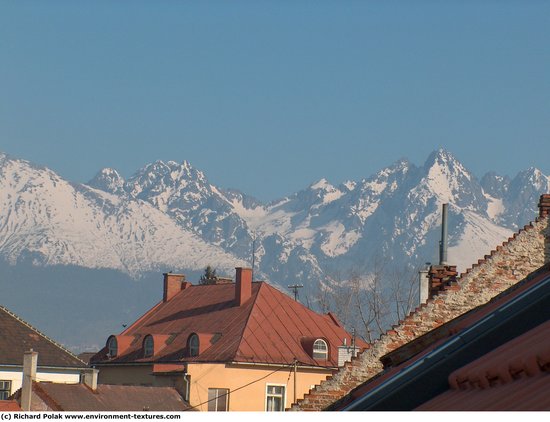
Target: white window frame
x,y
226,393
325,352
5,386
271,384
148,346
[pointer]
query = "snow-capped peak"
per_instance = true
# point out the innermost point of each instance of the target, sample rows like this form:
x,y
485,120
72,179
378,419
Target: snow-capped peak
x,y
326,191
535,177
108,180
447,178
322,184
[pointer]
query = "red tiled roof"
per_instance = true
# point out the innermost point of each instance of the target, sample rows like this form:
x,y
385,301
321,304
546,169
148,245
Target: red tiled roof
x,y
78,397
9,406
19,337
515,376
268,328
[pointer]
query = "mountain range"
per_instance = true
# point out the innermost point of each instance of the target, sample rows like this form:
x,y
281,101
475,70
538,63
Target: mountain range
x,y
113,237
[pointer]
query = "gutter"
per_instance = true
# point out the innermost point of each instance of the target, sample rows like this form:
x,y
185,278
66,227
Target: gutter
x,y
279,365
56,368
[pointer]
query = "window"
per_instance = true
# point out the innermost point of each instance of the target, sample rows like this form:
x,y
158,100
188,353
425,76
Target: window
x,y
112,347
275,398
148,346
193,345
320,349
5,389
218,399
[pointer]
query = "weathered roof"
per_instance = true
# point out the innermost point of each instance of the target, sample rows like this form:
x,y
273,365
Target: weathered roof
x,y
17,337
269,328
514,376
423,374
79,397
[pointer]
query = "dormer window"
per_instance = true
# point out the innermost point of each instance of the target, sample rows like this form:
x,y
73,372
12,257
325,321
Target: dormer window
x,y
320,349
112,347
193,345
148,346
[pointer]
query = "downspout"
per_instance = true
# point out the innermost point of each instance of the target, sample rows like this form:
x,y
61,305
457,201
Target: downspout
x,y
295,373
187,392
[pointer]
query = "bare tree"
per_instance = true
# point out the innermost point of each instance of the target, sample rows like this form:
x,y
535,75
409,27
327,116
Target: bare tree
x,y
371,299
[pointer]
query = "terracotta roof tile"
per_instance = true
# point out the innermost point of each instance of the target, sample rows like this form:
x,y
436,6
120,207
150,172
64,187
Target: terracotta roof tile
x,y
19,337
515,376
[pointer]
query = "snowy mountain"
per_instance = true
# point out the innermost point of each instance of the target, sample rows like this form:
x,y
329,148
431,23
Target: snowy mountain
x,y
56,222
168,217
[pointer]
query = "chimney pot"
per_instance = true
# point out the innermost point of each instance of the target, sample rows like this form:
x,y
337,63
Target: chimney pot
x,y
89,377
173,283
424,286
243,285
544,205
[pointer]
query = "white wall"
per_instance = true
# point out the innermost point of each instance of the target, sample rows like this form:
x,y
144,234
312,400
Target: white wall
x,y
61,376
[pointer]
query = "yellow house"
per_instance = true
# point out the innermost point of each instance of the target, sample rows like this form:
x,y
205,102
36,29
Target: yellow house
x,y
227,346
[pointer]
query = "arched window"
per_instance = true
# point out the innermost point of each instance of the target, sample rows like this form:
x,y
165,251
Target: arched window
x,y
148,346
193,345
320,349
112,346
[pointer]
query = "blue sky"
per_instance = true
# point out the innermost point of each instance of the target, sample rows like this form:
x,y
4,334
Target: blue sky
x,y
270,96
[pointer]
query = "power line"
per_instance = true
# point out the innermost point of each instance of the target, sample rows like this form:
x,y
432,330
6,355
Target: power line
x,y
241,387
290,365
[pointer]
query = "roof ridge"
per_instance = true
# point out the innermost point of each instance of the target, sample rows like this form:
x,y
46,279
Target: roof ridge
x,y
245,325
499,247
142,317
36,330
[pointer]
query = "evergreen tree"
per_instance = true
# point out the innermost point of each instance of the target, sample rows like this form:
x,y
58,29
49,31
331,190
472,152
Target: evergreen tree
x,y
209,276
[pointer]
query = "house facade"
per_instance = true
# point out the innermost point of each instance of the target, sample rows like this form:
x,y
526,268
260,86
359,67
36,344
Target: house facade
x,y
226,346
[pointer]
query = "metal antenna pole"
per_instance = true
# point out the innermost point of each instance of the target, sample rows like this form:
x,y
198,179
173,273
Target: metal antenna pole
x,y
253,252
294,288
443,243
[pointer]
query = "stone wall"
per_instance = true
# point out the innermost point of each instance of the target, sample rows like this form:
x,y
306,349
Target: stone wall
x,y
509,263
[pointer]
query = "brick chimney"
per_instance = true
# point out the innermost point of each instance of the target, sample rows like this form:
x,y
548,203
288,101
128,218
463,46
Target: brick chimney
x,y
173,283
440,277
243,285
544,205
30,362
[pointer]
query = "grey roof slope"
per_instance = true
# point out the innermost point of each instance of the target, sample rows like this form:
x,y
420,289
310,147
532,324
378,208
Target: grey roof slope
x,y
79,397
18,336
